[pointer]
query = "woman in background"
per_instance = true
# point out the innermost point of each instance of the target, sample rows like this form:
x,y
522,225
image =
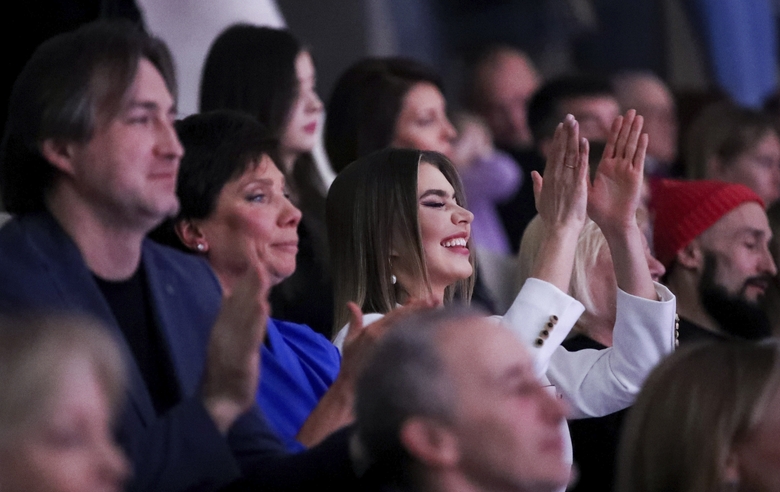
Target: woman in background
x,y
62,382
386,102
708,418
269,75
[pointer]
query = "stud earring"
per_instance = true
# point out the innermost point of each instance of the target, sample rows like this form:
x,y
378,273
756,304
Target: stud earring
x,y
393,279
201,247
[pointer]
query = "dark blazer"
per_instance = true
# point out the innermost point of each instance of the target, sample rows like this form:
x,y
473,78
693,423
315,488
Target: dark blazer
x,y
41,268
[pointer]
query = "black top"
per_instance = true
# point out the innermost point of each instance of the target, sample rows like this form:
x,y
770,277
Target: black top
x,y
595,440
518,210
690,333
132,308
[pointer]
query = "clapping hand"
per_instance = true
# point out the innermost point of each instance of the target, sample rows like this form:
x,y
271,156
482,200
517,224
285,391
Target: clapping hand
x,y
561,195
233,359
615,194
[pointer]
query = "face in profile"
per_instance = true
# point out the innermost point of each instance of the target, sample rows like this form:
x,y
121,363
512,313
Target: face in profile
x,y
507,427
71,448
129,166
739,246
253,220
757,168
445,228
300,133
422,123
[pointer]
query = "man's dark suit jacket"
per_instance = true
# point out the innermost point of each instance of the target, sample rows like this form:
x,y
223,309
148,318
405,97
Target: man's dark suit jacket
x,y
42,269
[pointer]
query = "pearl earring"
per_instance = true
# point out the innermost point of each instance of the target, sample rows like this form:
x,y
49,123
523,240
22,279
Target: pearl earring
x,y
393,279
201,247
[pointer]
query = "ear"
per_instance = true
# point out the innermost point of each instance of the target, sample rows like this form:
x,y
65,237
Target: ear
x,y
192,235
691,256
59,153
430,442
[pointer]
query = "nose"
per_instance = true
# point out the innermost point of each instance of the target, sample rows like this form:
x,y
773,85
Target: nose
x,y
768,263
168,144
448,130
291,215
314,103
656,268
462,216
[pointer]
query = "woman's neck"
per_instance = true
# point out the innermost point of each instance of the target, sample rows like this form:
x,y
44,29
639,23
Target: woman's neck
x,y
404,295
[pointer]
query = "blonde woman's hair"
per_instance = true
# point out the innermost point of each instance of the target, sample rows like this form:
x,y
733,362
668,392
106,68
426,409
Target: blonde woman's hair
x,y
34,350
694,408
589,246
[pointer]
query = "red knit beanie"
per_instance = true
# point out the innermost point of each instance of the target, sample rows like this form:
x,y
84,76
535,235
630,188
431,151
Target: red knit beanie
x,y
685,209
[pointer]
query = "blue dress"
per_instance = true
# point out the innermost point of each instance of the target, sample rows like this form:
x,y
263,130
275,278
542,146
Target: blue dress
x,y
297,367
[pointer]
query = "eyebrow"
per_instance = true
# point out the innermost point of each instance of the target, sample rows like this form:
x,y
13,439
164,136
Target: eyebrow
x,y
149,106
434,192
264,182
759,233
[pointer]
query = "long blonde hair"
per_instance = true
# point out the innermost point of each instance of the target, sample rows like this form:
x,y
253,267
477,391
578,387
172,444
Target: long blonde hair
x,y
692,411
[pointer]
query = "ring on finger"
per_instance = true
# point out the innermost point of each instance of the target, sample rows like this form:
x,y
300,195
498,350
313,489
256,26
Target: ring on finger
x,y
570,167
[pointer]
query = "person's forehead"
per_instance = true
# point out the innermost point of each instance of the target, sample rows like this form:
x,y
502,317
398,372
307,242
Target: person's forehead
x,y
147,87
649,91
747,218
510,72
597,102
430,176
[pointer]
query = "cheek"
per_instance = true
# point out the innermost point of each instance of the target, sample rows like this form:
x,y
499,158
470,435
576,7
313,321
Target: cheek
x,y
238,233
40,468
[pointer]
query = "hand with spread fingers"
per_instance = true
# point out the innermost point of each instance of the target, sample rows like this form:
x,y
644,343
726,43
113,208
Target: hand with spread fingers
x,y
613,200
615,194
561,199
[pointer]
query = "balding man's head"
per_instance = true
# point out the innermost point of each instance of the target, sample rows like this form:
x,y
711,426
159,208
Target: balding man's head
x,y
503,80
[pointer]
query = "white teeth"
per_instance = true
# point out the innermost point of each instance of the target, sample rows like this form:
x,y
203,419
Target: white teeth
x,y
458,241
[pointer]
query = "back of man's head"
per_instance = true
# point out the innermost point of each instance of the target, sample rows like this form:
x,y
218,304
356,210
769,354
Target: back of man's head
x,y
405,377
73,82
547,106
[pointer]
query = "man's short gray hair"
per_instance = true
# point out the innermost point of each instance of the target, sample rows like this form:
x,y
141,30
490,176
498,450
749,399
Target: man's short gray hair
x,y
405,377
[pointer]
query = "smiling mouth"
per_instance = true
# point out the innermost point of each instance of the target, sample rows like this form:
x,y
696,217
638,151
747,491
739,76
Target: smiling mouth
x,y
458,242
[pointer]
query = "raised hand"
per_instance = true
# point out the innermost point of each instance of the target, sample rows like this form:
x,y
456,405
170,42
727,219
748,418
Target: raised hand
x,y
561,199
561,196
616,190
613,199
233,358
